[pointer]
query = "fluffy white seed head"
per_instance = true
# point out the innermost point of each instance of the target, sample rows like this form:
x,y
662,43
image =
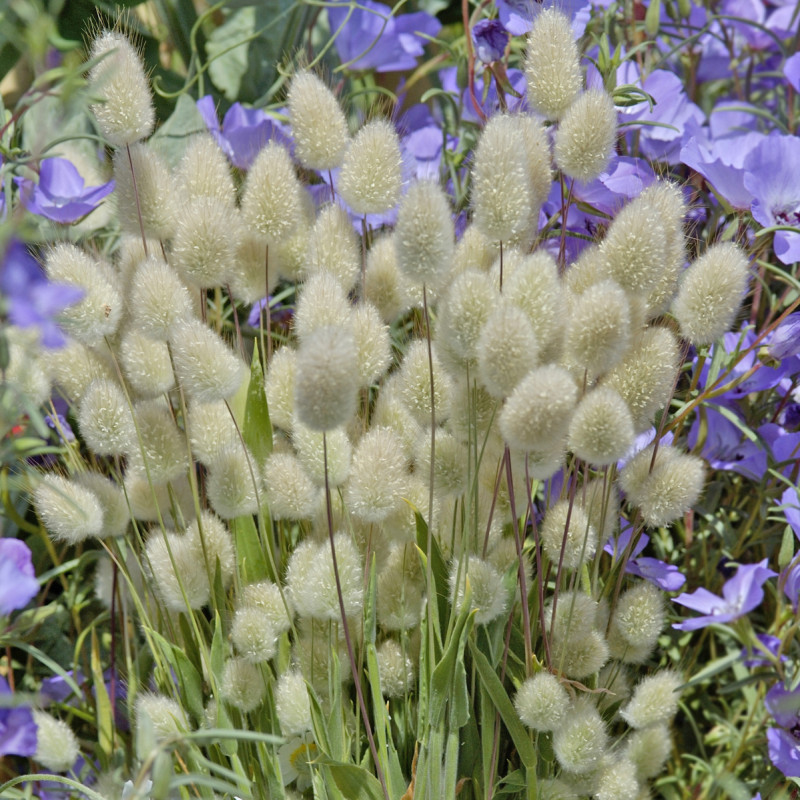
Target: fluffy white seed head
x,y
600,500
213,538
649,749
586,136
172,502
279,387
335,247
414,384
598,333
710,293
450,463
288,259
666,491
580,741
234,482
326,382
158,300
166,716
174,563
105,420
645,376
152,193
473,251
577,537
98,314
504,207
395,668
242,684
373,344
322,302
384,284
206,367
319,127
638,620
601,429
401,589
207,234
116,514
371,175
124,112
488,595
542,702
576,615
617,781
654,701
580,658
378,477
291,494
507,350
203,171
292,704
158,450
615,680
537,412
635,244
247,273
311,454
56,745
145,363
211,430
424,234
537,150
272,200
70,512
552,67
467,306
266,597
536,288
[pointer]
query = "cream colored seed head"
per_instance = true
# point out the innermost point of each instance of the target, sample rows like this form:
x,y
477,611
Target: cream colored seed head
x,y
395,668
311,453
414,384
70,512
568,529
542,702
319,127
552,66
290,492
272,199
248,274
385,285
116,514
204,171
654,701
56,746
335,247
639,618
234,482
586,136
279,387
581,740
373,344
371,176
159,300
125,112
323,302
105,420
145,363
601,430
158,449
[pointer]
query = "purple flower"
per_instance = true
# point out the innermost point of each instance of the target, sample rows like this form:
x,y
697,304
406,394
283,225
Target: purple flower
x,y
17,728
756,657
740,595
666,576
791,69
60,194
243,133
790,505
370,36
784,740
772,174
31,300
785,339
490,38
517,15
18,584
790,579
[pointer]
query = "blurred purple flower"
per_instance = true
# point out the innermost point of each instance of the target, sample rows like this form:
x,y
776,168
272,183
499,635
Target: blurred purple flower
x,y
772,175
666,576
785,339
18,732
755,657
488,100
423,142
790,578
372,37
517,15
784,741
60,194
490,38
18,584
790,505
740,595
31,300
244,131
791,69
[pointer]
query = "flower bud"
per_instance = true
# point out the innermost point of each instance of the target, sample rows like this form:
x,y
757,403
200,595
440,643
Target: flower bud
x,y
290,492
151,196
537,412
292,704
542,702
654,701
371,176
70,512
56,746
205,366
552,67
267,598
710,293
580,741
327,378
586,137
175,564
601,429
242,685
568,529
669,489
450,463
396,670
424,234
125,112
319,127
105,420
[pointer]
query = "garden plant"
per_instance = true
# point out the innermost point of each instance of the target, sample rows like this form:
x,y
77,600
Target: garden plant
x,y
399,401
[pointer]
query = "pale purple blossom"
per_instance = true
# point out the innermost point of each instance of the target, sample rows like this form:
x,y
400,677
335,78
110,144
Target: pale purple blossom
x,y
740,595
755,656
490,39
791,69
18,731
18,584
665,576
60,193
783,741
